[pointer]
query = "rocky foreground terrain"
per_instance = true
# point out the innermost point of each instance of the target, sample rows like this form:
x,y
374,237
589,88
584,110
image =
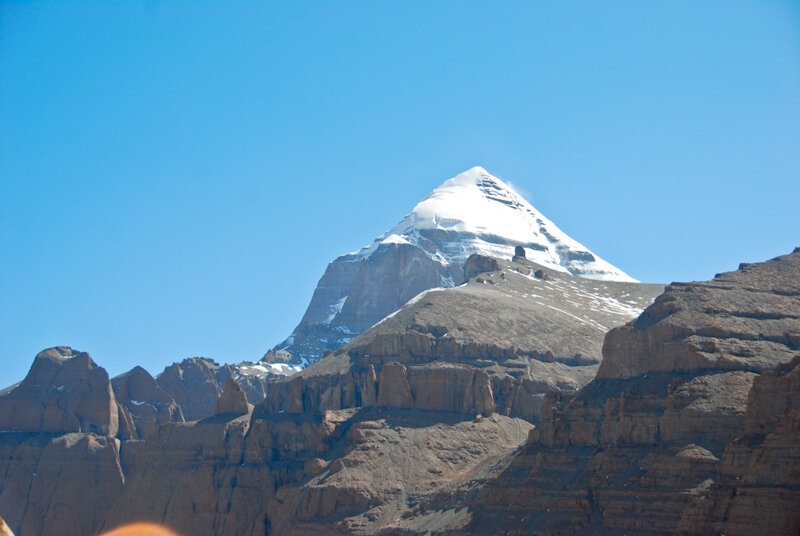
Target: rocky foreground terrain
x,y
451,416
69,434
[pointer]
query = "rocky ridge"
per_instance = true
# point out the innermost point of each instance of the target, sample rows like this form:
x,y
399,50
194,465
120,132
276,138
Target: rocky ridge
x,y
514,331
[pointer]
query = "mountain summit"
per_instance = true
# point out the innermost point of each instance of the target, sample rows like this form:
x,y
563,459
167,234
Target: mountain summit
x,y
473,212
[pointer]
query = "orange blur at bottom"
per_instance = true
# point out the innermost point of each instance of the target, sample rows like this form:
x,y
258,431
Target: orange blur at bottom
x,y
141,529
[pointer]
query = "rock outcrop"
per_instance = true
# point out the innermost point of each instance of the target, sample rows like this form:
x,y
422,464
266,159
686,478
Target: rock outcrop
x,y
757,487
196,384
377,436
678,432
144,405
692,426
232,401
69,435
743,320
65,391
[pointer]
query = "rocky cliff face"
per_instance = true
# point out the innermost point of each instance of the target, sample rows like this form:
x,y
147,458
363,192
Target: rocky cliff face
x,y
473,212
678,432
69,435
144,405
743,320
197,382
59,460
513,332
757,485
65,391
337,472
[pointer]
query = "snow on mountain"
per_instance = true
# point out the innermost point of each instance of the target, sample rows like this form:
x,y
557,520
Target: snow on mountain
x,y
475,212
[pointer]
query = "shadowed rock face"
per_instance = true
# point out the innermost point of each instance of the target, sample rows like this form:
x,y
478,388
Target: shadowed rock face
x,y
196,384
758,480
354,294
68,435
144,405
339,472
678,433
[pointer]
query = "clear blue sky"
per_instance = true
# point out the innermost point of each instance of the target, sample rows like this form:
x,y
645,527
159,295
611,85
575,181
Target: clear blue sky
x,y
176,175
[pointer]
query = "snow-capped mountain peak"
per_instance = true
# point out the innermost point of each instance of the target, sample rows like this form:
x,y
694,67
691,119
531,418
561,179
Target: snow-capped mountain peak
x,y
475,212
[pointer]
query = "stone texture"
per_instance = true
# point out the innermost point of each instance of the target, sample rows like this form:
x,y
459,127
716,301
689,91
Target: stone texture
x,y
528,336
232,401
757,489
196,384
744,320
57,485
669,438
145,405
64,391
338,472
366,291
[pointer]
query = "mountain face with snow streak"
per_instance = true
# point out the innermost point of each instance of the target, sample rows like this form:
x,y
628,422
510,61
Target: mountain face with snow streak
x,y
473,212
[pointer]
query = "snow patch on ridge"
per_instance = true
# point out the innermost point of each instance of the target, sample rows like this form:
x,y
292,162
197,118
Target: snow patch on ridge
x,y
334,309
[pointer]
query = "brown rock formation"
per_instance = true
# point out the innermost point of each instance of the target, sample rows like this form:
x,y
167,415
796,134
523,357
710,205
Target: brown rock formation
x,y
196,384
523,334
670,435
347,471
64,391
63,485
692,428
743,320
144,404
232,401
757,489
59,460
